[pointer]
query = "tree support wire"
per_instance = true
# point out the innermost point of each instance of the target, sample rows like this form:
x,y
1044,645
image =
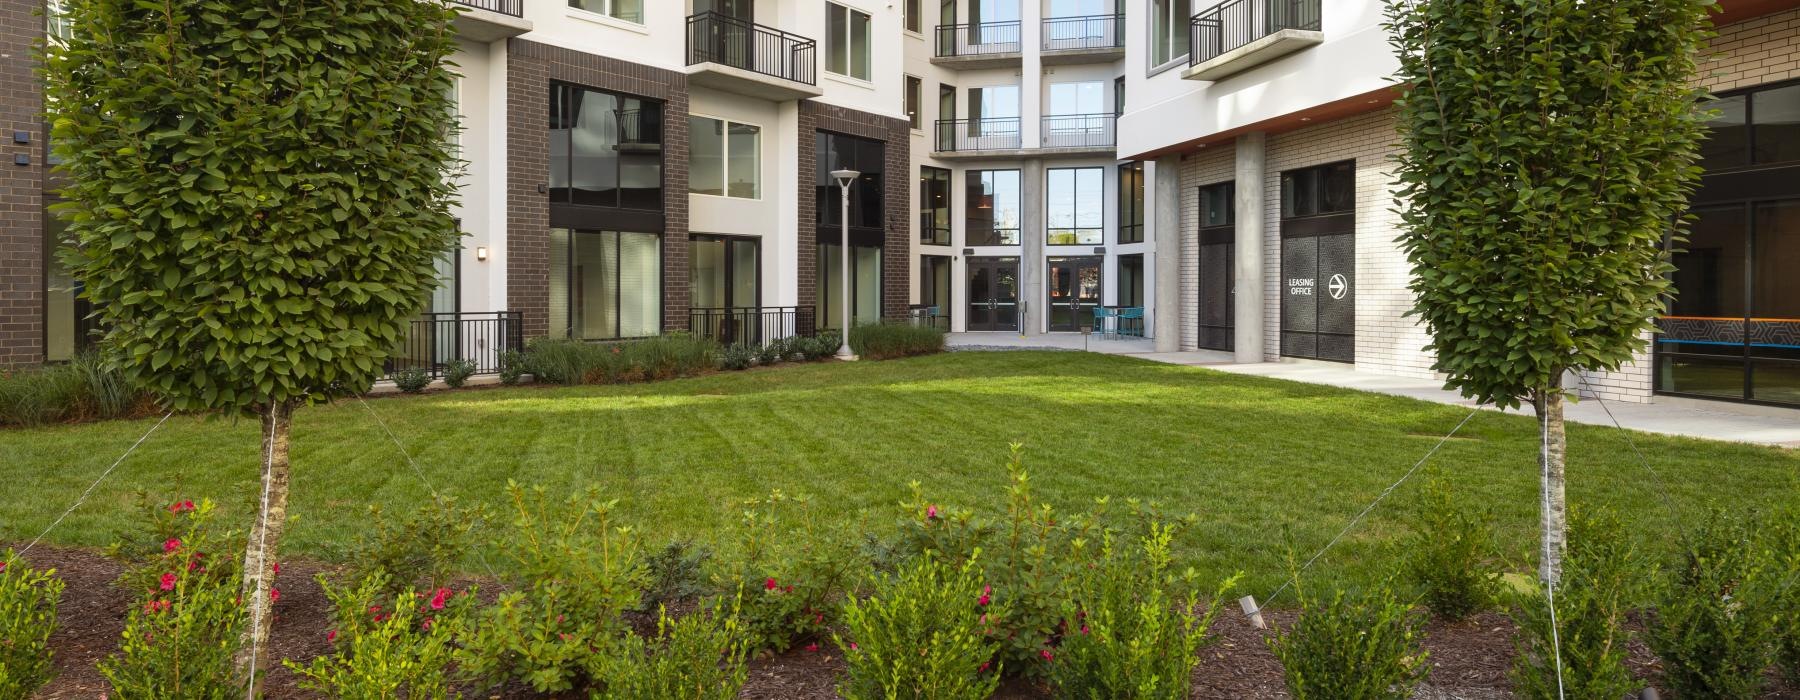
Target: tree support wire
x,y
90,489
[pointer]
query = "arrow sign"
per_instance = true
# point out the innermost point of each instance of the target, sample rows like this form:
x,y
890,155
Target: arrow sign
x,y
1338,286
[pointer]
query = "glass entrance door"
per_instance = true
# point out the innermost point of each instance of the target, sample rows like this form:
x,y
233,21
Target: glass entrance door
x,y
1733,330
993,294
1074,292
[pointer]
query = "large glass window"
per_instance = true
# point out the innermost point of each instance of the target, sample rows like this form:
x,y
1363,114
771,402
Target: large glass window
x,y
1076,203
1327,189
867,156
1732,327
1131,280
914,88
605,149
934,205
1131,202
865,285
934,282
992,207
1077,98
846,41
628,10
605,285
724,272
1169,30
1753,128
725,158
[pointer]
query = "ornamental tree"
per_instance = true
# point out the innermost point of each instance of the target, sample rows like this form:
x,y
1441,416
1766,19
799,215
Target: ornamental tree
x,y
1550,148
258,191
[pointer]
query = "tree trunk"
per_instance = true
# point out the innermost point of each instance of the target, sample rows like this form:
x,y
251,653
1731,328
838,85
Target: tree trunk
x,y
1551,459
259,556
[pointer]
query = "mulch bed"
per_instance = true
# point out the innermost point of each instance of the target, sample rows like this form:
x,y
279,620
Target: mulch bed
x,y
1469,659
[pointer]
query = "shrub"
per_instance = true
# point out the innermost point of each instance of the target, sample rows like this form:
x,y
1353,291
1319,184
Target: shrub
x,y
386,647
794,575
28,600
1450,554
1602,574
888,341
818,347
923,634
1352,648
574,572
39,396
772,352
676,573
1130,630
697,657
412,381
422,550
737,357
1787,647
512,367
567,361
106,391
183,631
1714,627
457,373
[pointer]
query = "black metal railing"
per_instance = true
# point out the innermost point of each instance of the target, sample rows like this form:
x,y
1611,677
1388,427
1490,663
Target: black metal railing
x,y
639,127
977,134
433,341
515,8
928,315
977,39
1079,130
729,41
749,325
1093,32
1234,23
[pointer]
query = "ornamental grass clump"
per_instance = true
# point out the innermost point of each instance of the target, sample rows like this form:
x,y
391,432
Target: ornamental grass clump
x,y
925,633
886,341
1362,646
28,600
1603,575
80,390
1450,555
386,646
1131,629
184,626
1715,622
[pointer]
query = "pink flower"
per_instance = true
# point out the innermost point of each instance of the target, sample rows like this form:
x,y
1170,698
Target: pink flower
x,y
331,636
168,582
1047,655
374,610
171,545
426,625
437,600
986,597
181,506
274,594
565,636
853,646
2,566
1084,629
769,585
931,512
812,647
984,667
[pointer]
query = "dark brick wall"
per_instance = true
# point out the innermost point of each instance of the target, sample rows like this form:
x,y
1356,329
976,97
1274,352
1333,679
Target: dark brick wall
x,y
895,133
530,68
21,186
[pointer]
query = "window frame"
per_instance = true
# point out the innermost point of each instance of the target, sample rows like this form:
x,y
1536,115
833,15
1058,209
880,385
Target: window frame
x,y
1319,178
849,42
914,22
1177,25
1079,232
725,157
928,234
619,216
1749,125
611,7
1019,206
730,268
1130,212
915,101
661,290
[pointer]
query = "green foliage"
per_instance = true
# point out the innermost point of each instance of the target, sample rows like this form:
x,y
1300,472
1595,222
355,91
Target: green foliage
x,y
1352,647
412,381
1130,630
736,357
697,657
794,573
182,633
567,361
1450,554
1537,183
512,367
254,212
923,634
676,573
83,389
772,352
28,600
574,571
1787,594
458,371
1602,574
422,550
1714,626
398,647
887,341
817,347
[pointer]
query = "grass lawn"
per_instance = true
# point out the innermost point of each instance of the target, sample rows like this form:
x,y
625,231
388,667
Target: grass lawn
x,y
1252,457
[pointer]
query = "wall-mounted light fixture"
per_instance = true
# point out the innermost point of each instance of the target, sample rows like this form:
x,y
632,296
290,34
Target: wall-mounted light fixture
x,y
481,253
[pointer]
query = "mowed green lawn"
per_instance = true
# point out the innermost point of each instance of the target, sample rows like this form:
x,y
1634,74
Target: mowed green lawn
x,y
1251,457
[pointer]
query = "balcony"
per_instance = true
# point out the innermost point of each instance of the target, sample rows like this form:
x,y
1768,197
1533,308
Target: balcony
x,y
1070,134
1072,40
490,20
433,341
755,326
1079,133
1237,35
975,46
737,56
977,137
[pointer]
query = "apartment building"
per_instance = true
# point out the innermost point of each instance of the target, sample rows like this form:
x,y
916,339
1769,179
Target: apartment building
x,y
1269,127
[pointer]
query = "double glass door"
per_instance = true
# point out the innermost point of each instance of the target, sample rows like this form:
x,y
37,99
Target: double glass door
x,y
993,294
1074,292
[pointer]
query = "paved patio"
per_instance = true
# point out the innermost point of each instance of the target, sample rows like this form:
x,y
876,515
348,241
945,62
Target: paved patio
x,y
1712,420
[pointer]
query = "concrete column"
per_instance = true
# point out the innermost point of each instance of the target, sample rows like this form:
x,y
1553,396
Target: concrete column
x,y
1165,231
1032,297
1247,290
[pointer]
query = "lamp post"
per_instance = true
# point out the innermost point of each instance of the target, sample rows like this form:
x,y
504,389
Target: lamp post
x,y
844,179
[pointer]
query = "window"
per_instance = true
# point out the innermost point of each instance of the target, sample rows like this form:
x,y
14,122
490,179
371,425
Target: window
x,y
839,152
914,88
56,19
865,286
934,205
1169,30
724,158
1131,280
934,282
992,203
1131,203
846,41
1119,96
914,17
605,285
1326,189
628,10
1216,207
1756,127
724,272
605,149
1077,209
1078,98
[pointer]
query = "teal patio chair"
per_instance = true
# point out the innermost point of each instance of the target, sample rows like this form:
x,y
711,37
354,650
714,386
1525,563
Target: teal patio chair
x,y
1101,327
1131,313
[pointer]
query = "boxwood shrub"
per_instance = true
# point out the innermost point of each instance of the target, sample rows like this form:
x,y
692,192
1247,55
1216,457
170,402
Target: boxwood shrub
x,y
888,341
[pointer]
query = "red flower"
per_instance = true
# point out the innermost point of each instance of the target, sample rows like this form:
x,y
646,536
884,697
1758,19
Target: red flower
x,y
769,585
812,647
1084,629
331,636
278,567
853,646
437,600
274,594
986,593
171,545
788,589
374,610
426,625
168,582
1047,655
931,512
2,566
181,506
565,636
984,667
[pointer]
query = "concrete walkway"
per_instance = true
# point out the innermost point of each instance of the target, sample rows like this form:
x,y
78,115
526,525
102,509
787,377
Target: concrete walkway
x,y
1712,420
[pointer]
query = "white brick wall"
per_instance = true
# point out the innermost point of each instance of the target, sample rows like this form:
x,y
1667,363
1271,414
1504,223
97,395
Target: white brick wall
x,y
1213,164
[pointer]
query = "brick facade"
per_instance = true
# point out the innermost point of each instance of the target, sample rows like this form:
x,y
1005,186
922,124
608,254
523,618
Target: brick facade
x,y
530,69
896,135
21,186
